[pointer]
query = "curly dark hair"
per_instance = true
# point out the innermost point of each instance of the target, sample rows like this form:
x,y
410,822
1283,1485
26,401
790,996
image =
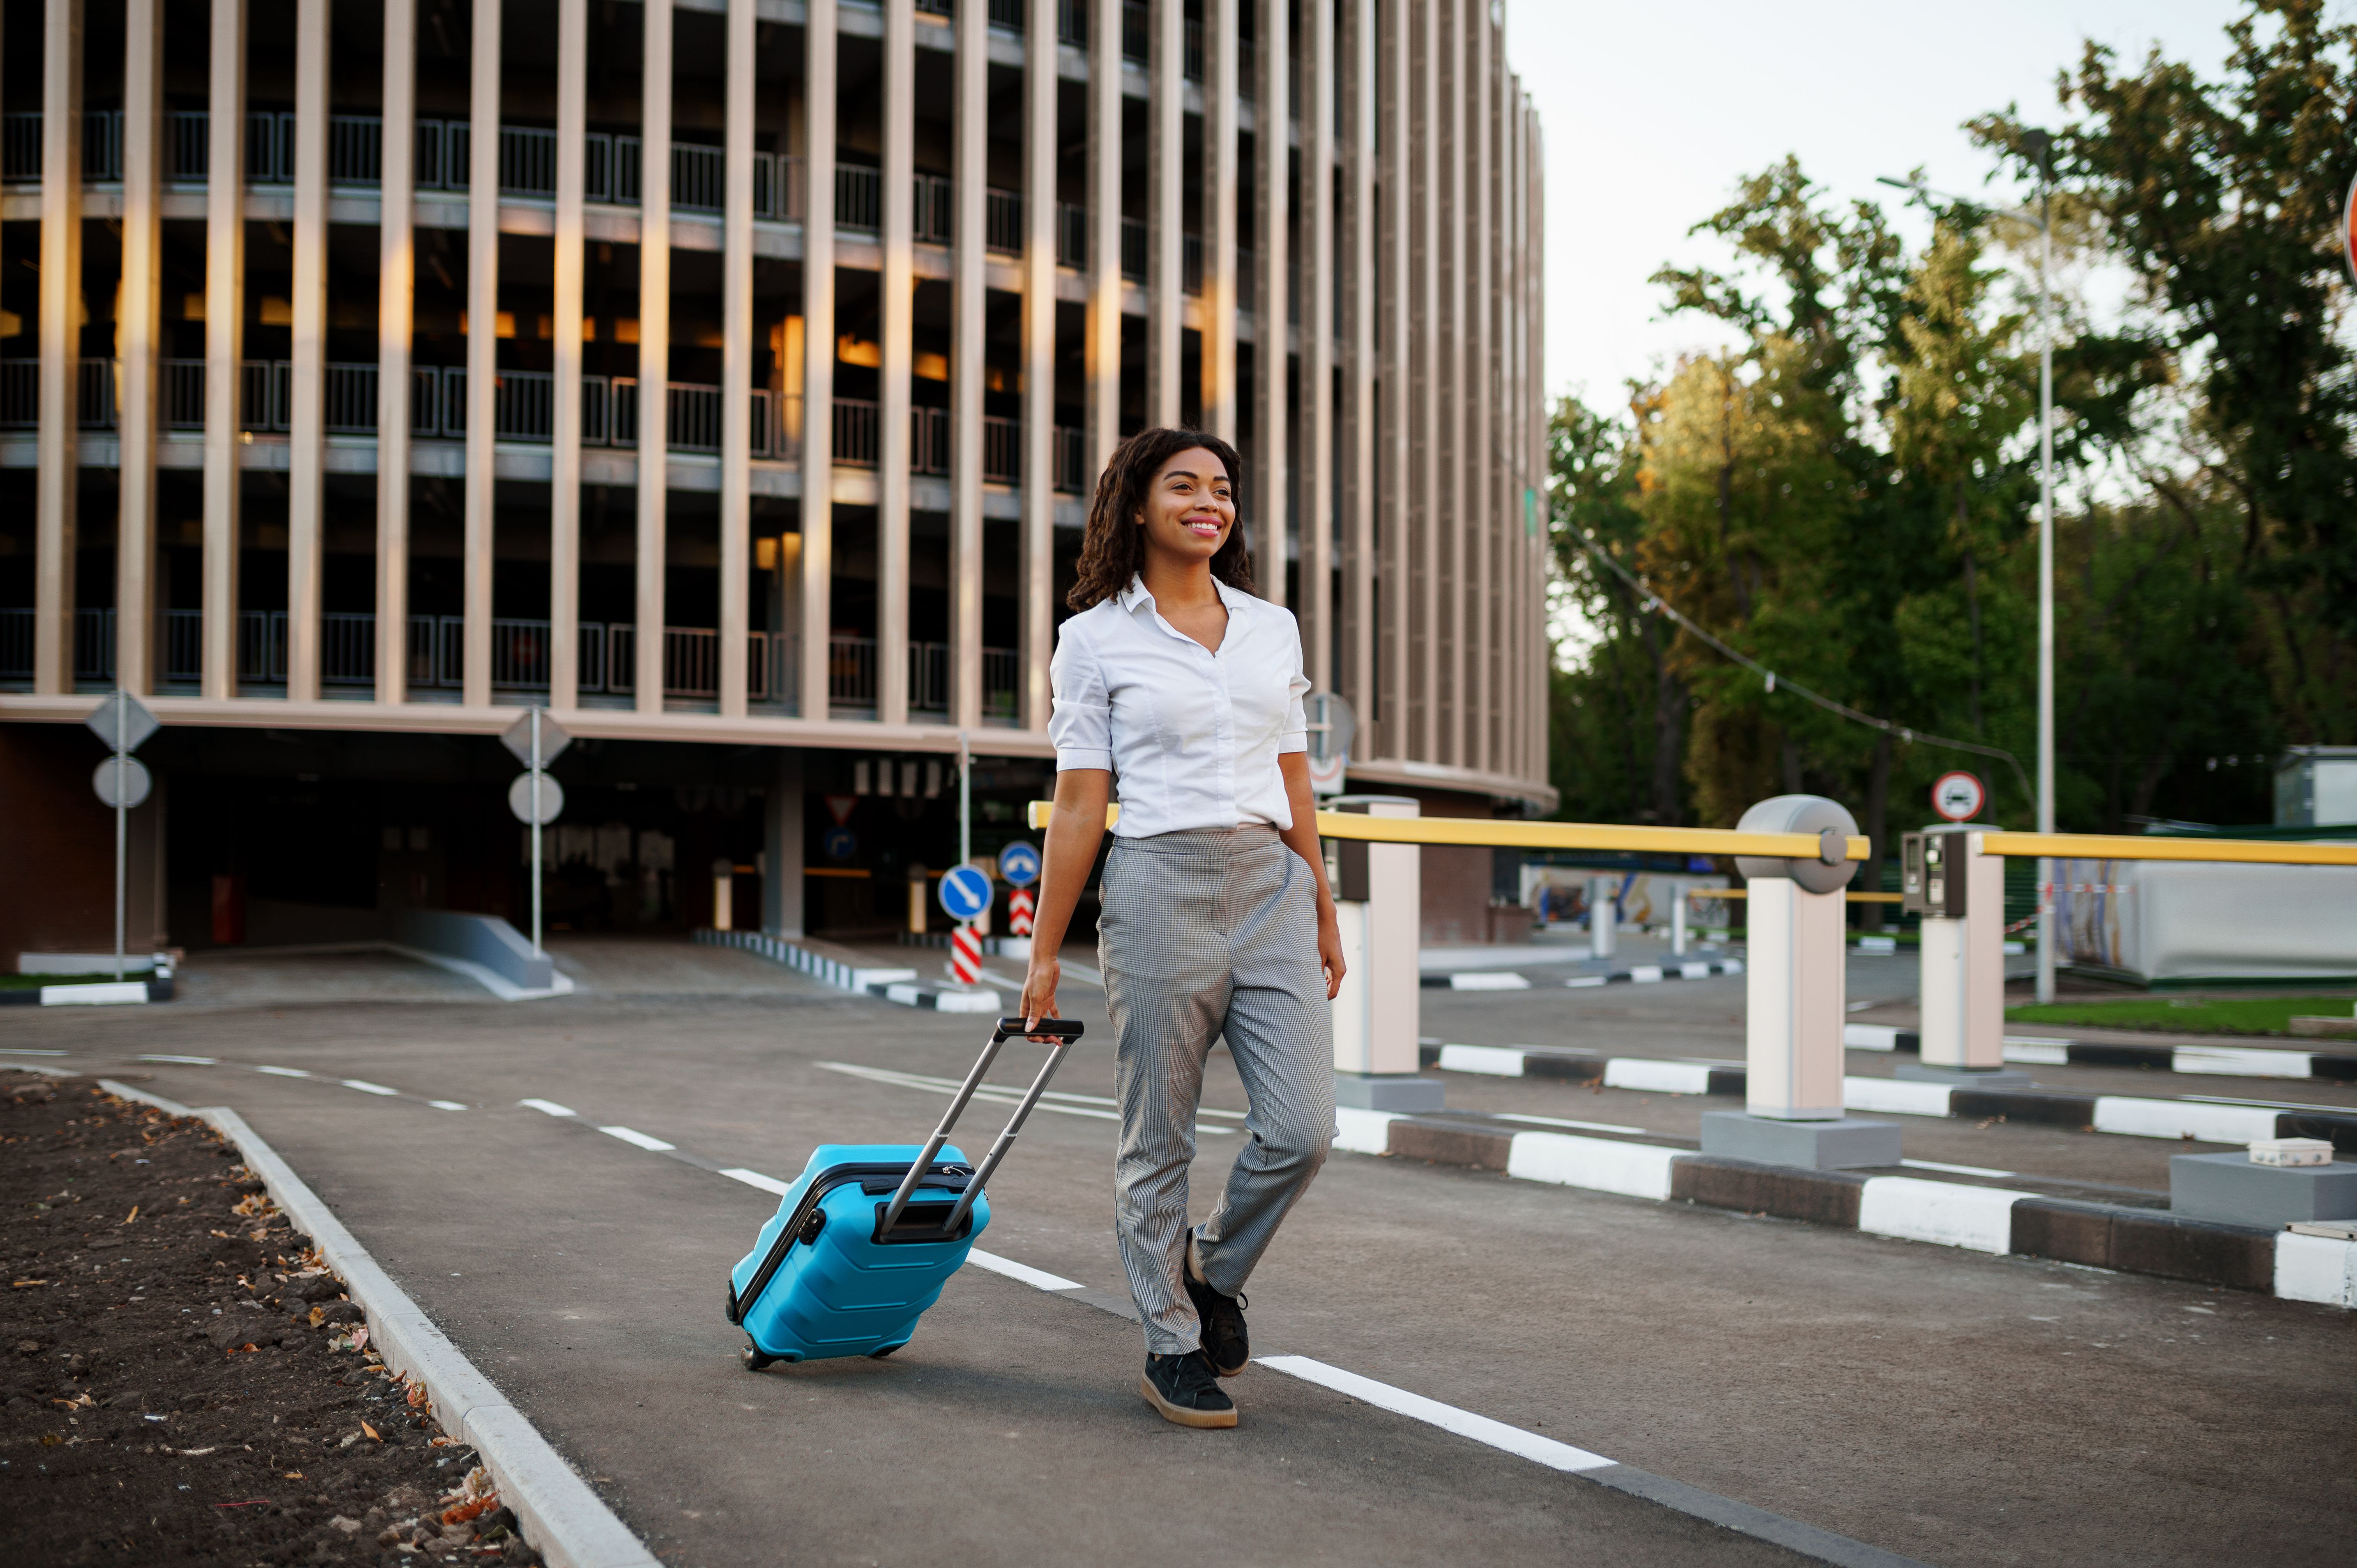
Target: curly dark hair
x,y
1113,549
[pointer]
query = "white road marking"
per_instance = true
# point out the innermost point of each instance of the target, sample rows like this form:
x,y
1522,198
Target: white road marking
x,y
186,1062
31,1053
1023,1272
547,1106
365,1087
1447,1417
1959,1170
770,1185
996,1095
446,1104
284,1071
631,1135
1582,981
2271,1104
1561,1122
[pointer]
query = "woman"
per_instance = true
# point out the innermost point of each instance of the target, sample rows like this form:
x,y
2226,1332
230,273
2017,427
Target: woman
x,y
1177,684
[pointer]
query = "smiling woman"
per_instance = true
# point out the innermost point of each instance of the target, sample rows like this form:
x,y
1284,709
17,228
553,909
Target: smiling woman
x,y
1114,551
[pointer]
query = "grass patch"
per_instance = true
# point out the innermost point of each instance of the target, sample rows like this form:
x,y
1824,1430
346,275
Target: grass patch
x,y
35,982
2190,1014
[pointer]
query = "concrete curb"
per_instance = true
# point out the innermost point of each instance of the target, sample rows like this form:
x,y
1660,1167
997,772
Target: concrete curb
x,y
1997,1220
1639,974
93,994
562,1515
2220,1061
887,983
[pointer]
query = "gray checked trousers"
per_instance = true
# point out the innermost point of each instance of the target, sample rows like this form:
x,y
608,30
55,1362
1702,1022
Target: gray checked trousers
x,y
1204,933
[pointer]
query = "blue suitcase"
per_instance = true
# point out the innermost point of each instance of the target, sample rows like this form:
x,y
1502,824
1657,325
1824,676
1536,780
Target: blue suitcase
x,y
863,1241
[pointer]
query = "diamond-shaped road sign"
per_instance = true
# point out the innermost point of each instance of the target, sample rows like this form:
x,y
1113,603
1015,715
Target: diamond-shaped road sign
x,y
138,723
553,739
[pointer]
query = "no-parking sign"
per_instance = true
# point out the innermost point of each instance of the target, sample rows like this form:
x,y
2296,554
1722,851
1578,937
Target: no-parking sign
x,y
1958,797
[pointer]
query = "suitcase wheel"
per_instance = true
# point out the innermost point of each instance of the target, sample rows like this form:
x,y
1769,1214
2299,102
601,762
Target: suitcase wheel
x,y
754,1360
882,1351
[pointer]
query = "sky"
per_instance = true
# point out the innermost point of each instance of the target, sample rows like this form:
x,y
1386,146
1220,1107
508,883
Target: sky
x,y
1652,112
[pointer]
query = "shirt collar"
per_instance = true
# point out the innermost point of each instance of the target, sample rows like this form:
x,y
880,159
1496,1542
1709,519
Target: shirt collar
x,y
1136,594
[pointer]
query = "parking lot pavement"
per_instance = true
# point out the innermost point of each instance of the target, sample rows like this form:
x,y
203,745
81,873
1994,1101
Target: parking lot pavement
x,y
1952,1407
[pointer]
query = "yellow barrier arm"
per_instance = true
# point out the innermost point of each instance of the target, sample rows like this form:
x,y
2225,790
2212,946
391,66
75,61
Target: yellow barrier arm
x,y
2120,847
1490,833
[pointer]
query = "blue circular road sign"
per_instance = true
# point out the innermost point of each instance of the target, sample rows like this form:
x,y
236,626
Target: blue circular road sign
x,y
1018,864
965,892
840,843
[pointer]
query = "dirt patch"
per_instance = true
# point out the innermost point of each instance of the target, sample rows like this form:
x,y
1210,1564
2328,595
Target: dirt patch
x,y
181,1378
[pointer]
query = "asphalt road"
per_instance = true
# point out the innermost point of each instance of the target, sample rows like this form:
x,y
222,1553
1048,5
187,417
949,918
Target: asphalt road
x,y
1951,1407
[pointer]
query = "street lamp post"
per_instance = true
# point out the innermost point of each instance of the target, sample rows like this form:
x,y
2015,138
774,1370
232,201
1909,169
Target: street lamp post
x,y
2040,146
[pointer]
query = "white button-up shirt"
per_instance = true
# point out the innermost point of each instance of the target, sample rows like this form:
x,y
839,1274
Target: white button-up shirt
x,y
1191,736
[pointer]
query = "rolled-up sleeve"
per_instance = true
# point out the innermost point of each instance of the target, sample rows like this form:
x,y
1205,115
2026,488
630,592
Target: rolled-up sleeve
x,y
1080,724
1293,734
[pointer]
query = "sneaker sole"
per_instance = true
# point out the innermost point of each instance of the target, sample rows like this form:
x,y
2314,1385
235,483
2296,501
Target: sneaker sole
x,y
1180,1416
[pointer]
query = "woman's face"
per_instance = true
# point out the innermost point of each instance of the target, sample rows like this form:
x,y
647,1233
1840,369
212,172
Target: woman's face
x,y
1189,507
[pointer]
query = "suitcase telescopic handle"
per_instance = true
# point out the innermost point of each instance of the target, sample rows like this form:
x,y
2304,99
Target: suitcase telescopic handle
x,y
1059,1032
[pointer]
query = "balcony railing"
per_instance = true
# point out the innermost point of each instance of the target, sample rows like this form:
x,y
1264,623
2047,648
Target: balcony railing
x,y
859,199
1001,223
1071,234
1071,456
1001,450
935,209
1133,249
1136,32
1072,23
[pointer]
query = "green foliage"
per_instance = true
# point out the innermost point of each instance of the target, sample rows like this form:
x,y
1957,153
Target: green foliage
x,y
2188,1015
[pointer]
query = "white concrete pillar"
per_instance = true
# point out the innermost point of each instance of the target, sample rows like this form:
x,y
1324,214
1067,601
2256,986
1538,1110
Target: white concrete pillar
x,y
816,556
1431,387
397,285
967,260
1361,296
1379,903
1963,968
307,412
1457,492
781,855
654,353
1219,200
1603,916
1039,149
225,343
482,347
138,339
1269,488
1102,420
1392,509
1318,511
736,366
566,278
896,287
1480,519
57,477
1165,140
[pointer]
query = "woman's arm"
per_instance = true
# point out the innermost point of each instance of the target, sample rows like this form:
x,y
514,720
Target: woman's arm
x,y
1301,838
1074,832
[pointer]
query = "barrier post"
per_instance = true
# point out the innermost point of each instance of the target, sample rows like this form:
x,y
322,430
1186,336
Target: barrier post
x,y
1379,904
1794,975
1679,920
724,894
1959,889
1603,916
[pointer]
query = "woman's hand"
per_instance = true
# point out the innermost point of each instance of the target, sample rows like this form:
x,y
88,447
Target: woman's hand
x,y
1039,987
1330,946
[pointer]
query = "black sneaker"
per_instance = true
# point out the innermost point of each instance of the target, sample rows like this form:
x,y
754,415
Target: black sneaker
x,y
1225,1345
1184,1390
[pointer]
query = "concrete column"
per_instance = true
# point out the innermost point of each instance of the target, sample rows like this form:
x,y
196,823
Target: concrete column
x,y
896,286
1379,904
566,311
1482,514
781,854
482,348
1165,142
966,321
1317,512
1455,624
1039,149
225,342
1431,343
736,366
1394,505
655,352
58,455
1534,425
817,554
1270,487
306,416
1363,283
139,335
1102,420
1220,198
397,285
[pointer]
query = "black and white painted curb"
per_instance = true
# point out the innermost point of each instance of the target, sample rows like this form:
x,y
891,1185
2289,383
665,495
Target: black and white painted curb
x,y
2205,1121
561,1514
2312,1264
2215,1061
95,993
1639,974
891,983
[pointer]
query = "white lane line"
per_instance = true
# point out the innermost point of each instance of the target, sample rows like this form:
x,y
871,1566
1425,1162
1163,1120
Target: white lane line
x,y
996,1095
446,1104
1561,1122
631,1135
1447,1417
2270,1105
365,1087
1023,1272
548,1107
17,1052
186,1061
1959,1170
770,1185
284,1071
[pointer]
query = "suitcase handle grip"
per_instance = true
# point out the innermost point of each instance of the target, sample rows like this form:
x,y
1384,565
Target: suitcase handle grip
x,y
1062,1032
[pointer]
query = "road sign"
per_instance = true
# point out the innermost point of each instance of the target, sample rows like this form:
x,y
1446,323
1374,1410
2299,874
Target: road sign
x,y
1019,907
839,844
553,739
540,807
1333,727
1018,864
966,955
125,789
965,892
138,723
1958,797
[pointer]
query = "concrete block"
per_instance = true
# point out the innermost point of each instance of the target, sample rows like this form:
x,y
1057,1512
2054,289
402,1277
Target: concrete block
x,y
1962,1077
2229,1187
1812,1146
1396,1091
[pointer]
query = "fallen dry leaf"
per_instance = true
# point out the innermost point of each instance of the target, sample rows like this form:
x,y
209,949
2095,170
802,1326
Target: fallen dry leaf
x,y
372,1431
133,1215
292,1476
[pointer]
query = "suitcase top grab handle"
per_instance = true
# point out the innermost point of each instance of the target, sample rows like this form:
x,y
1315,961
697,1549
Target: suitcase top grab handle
x,y
1060,1033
